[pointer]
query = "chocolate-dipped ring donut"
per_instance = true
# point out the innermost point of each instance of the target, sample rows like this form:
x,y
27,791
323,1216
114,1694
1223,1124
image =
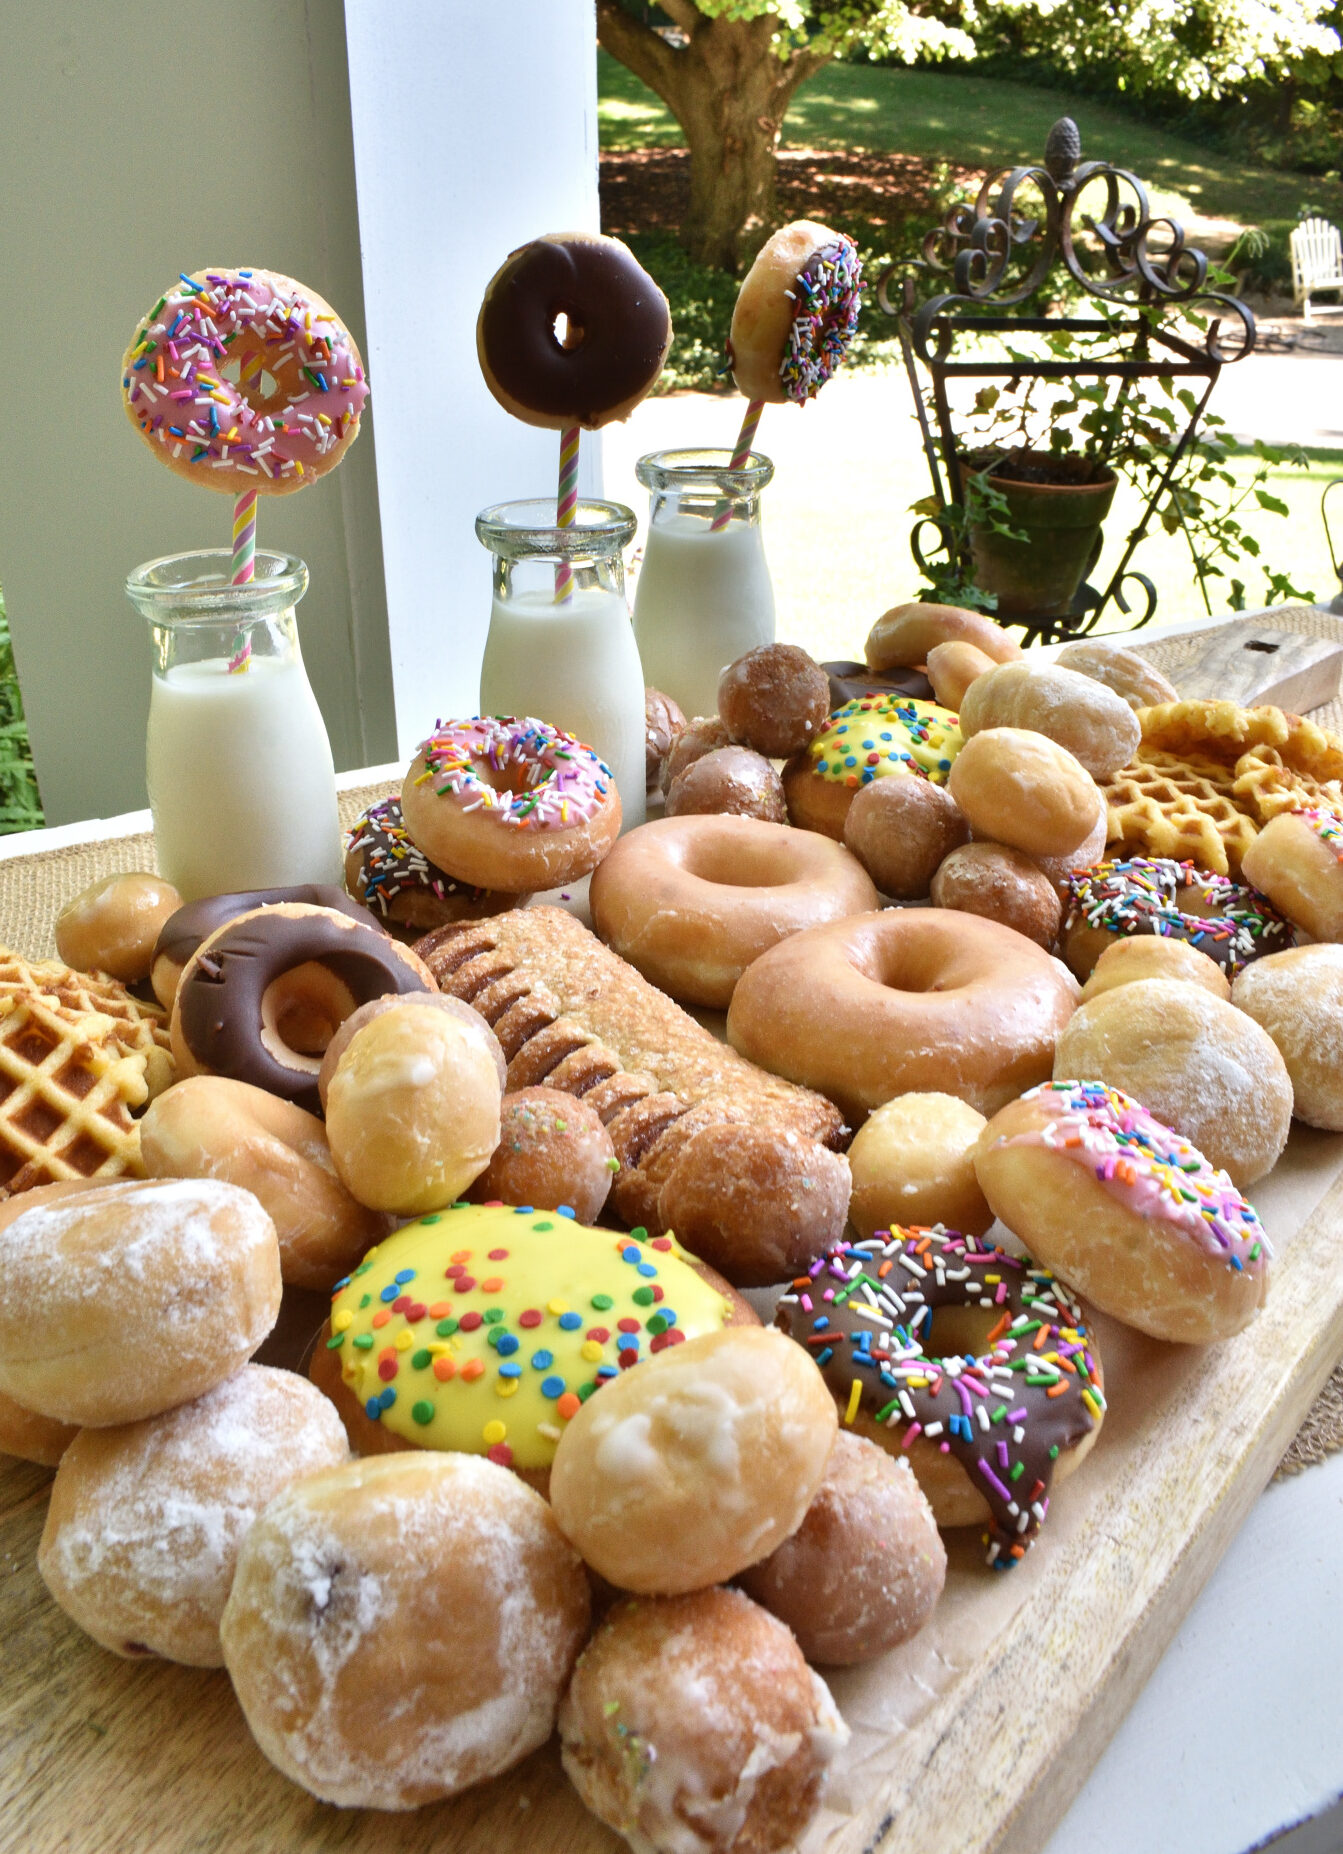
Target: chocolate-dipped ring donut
x,y
261,998
618,331
184,931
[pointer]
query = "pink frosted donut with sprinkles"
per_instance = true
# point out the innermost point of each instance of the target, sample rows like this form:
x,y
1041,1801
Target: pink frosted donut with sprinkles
x,y
989,1428
244,379
797,311
508,802
1126,1211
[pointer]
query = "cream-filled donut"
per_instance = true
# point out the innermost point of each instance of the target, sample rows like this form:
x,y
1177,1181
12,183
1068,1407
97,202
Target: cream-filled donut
x,y
908,1000
691,902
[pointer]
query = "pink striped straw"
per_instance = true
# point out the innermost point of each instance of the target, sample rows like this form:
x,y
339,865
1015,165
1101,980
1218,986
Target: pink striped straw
x,y
244,508
566,508
741,456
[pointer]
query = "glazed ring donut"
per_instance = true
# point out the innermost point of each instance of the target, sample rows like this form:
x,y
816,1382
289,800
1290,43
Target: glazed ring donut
x,y
874,738
1127,1210
1297,860
234,437
692,901
210,1127
483,1330
1013,1407
509,803
261,998
183,931
796,313
618,331
1229,922
904,635
395,880
908,1001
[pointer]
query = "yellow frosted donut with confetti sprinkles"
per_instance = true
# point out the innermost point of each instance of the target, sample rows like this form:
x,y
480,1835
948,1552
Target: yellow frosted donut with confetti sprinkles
x,y
876,737
483,1329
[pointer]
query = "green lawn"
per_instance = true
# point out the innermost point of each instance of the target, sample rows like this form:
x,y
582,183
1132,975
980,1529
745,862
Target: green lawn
x,y
952,115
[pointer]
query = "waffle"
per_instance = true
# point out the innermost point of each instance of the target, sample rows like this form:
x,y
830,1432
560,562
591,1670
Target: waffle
x,y
1163,805
1266,784
66,1096
1212,730
140,1029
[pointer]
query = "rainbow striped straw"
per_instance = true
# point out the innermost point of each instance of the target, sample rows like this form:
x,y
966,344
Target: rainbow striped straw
x,y
244,509
740,457
567,507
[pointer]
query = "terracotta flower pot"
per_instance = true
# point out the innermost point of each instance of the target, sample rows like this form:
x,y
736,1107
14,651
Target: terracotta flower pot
x,y
1039,577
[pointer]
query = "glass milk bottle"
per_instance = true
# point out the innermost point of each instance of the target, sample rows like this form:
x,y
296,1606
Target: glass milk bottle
x,y
572,662
703,596
241,781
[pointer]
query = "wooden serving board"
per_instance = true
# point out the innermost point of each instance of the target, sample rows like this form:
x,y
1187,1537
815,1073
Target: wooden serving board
x,y
971,1738
1249,662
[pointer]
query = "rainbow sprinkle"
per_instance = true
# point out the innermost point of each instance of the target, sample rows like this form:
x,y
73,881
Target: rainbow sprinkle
x,y
866,1312
1140,897
180,398
1153,1170
827,297
548,779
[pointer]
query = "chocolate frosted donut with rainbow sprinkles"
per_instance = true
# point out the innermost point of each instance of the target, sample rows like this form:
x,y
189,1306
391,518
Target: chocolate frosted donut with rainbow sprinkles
x,y
389,872
1126,1210
1230,922
244,379
796,314
507,802
973,1363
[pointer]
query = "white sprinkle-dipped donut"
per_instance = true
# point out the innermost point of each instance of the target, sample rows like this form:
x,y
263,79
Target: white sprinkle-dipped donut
x,y
238,433
510,803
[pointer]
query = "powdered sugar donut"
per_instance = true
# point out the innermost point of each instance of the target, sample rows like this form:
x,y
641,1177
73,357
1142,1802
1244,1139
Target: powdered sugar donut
x,y
510,803
232,435
146,1519
399,1629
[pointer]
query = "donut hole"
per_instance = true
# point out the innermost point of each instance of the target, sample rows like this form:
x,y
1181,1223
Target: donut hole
x,y
515,777
957,1332
262,390
301,1011
919,966
568,332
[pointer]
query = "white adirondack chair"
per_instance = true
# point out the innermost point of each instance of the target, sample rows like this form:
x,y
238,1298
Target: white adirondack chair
x,y
1317,261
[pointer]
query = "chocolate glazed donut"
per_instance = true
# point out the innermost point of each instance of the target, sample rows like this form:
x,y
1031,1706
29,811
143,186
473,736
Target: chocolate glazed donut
x,y
220,1011
183,932
619,332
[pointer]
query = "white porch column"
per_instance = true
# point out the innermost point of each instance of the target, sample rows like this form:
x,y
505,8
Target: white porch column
x,y
475,129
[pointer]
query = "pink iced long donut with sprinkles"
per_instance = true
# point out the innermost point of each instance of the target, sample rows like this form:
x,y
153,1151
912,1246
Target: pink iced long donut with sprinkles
x,y
1125,1210
244,379
510,803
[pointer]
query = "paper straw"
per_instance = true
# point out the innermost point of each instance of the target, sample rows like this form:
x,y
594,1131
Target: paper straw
x,y
566,507
740,457
244,538
244,509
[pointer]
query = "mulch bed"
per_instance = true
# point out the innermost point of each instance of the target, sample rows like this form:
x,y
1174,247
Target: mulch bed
x,y
648,189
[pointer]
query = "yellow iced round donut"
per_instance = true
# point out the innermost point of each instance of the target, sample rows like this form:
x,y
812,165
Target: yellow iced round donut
x,y
484,1329
872,738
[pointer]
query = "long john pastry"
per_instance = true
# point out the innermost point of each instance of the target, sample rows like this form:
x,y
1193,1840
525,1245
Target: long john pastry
x,y
742,1164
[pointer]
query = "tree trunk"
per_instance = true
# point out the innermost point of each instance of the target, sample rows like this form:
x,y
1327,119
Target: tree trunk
x,y
729,92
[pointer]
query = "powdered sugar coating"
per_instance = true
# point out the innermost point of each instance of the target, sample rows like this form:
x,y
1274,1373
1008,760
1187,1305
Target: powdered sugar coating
x,y
401,1627
146,1519
1152,1170
131,1298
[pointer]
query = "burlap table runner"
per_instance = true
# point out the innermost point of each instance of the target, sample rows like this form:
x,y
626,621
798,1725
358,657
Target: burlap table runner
x,y
33,889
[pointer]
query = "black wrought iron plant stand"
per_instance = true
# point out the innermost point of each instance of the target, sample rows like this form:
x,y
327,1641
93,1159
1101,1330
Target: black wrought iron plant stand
x,y
1001,251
